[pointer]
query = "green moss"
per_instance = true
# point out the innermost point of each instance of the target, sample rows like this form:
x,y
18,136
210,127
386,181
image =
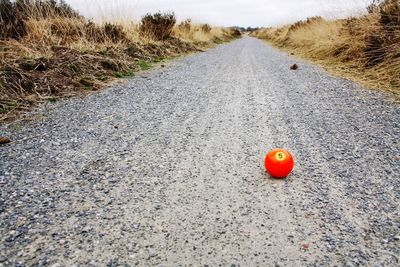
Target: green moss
x,y
145,65
129,73
124,74
158,59
118,74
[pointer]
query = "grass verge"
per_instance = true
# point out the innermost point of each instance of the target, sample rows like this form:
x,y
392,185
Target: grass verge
x,y
365,49
49,51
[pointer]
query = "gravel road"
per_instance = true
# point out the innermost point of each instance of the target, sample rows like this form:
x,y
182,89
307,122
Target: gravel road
x,y
166,169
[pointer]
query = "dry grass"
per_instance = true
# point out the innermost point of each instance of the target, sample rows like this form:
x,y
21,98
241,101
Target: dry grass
x,y
49,51
365,49
203,34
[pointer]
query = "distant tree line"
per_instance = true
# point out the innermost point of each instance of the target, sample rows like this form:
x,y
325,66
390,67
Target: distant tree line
x,y
244,29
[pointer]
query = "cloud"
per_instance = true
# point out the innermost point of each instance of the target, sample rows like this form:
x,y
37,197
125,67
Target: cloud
x,y
222,12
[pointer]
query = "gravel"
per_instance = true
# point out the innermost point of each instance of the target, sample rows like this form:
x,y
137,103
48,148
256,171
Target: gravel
x,y
166,169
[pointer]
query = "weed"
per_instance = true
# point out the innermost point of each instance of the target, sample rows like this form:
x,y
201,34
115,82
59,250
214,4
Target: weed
x,y
124,74
145,65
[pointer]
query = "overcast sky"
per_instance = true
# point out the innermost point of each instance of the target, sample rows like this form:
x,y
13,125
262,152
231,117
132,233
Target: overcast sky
x,y
222,12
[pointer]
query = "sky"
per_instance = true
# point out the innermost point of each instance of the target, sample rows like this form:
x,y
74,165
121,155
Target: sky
x,y
221,12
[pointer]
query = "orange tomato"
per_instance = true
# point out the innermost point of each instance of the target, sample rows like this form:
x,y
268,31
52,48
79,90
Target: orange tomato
x,y
279,163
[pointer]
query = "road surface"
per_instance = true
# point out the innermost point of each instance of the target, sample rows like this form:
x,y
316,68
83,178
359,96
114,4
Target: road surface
x,y
166,169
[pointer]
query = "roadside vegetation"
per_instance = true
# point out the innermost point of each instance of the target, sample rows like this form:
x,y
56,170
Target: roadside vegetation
x,y
49,51
365,48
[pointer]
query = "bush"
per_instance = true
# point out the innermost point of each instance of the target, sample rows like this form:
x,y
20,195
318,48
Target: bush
x,y
205,28
13,15
93,32
114,32
381,40
38,9
11,22
389,12
157,26
235,32
185,25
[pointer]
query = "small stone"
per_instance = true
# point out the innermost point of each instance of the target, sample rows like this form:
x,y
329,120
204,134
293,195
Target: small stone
x,y
86,229
294,67
4,140
152,253
306,246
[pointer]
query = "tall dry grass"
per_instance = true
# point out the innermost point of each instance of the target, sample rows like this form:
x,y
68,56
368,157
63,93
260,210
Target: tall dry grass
x,y
48,50
365,49
203,34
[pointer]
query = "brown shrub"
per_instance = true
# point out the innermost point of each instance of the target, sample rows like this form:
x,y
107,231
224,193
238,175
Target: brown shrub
x,y
384,40
114,32
93,32
234,32
40,9
11,22
157,26
389,12
205,28
185,25
13,15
